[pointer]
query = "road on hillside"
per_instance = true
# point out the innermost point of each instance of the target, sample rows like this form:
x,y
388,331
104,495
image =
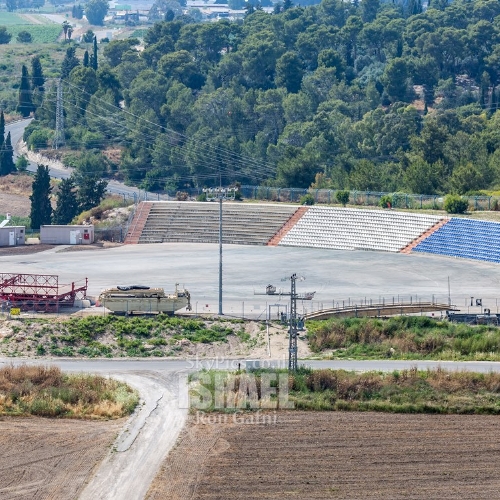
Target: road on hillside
x,y
16,130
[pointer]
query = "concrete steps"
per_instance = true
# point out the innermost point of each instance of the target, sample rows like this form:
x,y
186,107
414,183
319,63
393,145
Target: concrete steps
x,y
138,223
274,241
424,236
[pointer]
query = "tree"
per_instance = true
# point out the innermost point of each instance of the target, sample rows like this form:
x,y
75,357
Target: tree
x,y
4,35
455,204
342,197
88,37
86,59
37,77
91,191
93,59
24,37
22,164
6,159
77,11
95,11
67,203
70,61
395,79
65,26
41,209
11,5
25,103
289,72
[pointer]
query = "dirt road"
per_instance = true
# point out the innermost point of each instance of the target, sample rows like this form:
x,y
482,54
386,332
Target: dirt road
x,y
130,467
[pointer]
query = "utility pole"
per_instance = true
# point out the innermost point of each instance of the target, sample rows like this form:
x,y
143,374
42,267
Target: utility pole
x,y
59,135
220,194
294,325
292,331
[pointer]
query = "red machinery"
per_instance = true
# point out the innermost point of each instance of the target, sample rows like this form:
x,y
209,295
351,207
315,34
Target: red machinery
x,y
39,292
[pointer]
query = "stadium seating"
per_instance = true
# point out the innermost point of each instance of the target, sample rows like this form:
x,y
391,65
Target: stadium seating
x,y
354,229
244,224
465,238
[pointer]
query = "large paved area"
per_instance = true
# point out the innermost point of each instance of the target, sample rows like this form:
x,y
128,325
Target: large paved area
x,y
334,275
333,455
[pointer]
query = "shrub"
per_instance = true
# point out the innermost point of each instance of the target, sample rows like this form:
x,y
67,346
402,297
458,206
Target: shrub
x,y
385,201
181,196
342,197
24,37
307,199
202,197
455,204
39,138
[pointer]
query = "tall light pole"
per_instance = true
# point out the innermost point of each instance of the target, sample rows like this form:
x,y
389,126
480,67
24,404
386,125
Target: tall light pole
x,y
220,194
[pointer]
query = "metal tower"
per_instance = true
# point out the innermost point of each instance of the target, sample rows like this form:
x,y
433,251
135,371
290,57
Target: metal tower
x,y
292,343
59,135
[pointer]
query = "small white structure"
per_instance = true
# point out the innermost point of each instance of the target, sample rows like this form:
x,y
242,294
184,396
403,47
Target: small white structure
x,y
67,235
11,236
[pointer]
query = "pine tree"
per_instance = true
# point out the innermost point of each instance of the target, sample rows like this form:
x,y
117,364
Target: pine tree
x,y
93,59
7,157
91,191
25,103
70,61
67,204
41,209
37,78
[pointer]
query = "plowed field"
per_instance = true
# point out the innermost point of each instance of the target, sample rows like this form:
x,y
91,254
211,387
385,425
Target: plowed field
x,y
335,455
45,458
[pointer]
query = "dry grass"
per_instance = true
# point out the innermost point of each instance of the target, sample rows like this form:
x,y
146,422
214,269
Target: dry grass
x,y
16,184
46,391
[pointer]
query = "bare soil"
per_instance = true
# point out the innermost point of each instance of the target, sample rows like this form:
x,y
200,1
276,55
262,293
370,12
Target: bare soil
x,y
312,455
14,204
45,458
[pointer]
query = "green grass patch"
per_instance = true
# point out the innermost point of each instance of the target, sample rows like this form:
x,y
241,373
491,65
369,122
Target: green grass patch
x,y
116,336
9,19
405,391
47,392
41,33
404,337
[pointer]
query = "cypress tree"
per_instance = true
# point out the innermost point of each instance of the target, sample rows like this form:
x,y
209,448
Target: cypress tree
x,y
25,103
7,157
2,142
41,209
86,59
2,128
93,59
37,78
67,204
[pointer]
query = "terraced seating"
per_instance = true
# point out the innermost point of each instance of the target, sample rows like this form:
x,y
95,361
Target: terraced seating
x,y
353,229
465,238
244,224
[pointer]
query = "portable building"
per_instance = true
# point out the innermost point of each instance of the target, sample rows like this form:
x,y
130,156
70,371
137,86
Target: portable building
x,y
11,236
67,235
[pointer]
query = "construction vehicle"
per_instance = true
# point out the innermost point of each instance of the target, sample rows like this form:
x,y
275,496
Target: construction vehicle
x,y
140,299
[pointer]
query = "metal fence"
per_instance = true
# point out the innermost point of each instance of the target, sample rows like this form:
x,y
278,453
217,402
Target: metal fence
x,y
329,196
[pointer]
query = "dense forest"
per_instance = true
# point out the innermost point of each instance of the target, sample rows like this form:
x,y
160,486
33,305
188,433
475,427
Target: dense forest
x,y
362,95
